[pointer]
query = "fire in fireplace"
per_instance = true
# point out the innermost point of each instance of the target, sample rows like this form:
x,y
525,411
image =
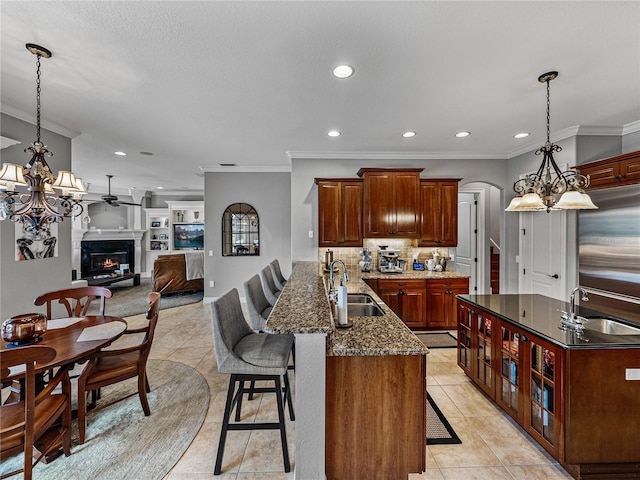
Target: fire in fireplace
x,y
105,256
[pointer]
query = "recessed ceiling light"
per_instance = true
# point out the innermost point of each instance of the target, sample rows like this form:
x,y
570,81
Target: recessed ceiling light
x,y
409,134
343,71
160,188
463,134
521,135
122,154
334,133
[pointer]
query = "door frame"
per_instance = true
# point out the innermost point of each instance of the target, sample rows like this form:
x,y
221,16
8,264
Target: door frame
x,y
479,195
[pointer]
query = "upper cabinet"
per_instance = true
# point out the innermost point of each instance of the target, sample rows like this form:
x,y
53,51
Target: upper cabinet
x,y
391,200
614,171
339,212
438,213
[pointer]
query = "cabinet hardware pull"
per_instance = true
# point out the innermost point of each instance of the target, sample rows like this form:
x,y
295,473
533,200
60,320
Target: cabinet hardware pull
x,y
402,284
555,275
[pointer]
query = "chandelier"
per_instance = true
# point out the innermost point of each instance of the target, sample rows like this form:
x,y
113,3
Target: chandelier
x,y
50,198
538,191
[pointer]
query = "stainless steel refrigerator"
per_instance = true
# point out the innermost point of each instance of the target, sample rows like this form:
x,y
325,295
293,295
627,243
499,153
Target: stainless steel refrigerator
x,y
609,251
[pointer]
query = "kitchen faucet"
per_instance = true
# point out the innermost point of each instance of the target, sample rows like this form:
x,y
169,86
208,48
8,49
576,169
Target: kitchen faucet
x,y
345,278
571,318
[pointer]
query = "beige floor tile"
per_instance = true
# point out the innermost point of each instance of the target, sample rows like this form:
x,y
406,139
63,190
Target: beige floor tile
x,y
470,401
264,452
192,356
266,476
481,473
428,474
538,472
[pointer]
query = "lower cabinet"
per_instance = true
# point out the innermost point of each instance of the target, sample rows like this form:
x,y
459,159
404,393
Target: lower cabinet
x,y
375,423
406,298
442,303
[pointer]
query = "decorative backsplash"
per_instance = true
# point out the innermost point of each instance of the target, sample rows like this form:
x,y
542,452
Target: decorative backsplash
x,y
350,255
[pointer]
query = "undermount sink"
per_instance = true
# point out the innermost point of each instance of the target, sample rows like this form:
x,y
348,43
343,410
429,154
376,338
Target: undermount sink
x,y
610,327
359,298
364,310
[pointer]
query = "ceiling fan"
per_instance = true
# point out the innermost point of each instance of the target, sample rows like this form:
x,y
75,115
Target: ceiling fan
x,y
113,199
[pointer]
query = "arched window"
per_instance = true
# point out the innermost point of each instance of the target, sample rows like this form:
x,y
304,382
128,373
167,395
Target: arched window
x,y
240,231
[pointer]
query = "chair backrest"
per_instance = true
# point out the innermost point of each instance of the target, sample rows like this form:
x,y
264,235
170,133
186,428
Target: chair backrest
x,y
20,436
257,304
229,327
268,285
152,315
76,300
277,274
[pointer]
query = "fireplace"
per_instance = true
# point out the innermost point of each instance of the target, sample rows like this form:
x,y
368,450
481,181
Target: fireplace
x,y
102,257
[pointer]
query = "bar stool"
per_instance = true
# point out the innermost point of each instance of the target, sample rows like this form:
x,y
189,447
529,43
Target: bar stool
x,y
269,286
277,274
249,356
257,304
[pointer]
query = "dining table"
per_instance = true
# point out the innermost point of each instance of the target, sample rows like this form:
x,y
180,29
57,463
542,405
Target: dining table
x,y
74,339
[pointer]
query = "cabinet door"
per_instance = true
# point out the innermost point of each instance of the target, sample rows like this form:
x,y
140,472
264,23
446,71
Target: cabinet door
x,y
406,204
482,367
351,214
391,297
509,388
630,169
543,390
429,213
328,213
449,214
600,175
436,307
466,320
378,204
412,302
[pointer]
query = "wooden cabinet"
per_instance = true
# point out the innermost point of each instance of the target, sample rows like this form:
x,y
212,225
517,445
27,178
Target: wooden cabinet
x,y
391,202
375,417
339,212
614,171
438,213
406,298
442,303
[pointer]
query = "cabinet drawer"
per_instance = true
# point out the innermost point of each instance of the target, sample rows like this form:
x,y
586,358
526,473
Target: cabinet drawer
x,y
394,284
448,283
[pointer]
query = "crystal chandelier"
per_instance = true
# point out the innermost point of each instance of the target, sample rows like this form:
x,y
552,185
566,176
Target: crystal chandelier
x,y
42,206
538,191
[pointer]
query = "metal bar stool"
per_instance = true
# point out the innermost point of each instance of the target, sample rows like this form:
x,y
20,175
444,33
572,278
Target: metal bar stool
x,y
249,356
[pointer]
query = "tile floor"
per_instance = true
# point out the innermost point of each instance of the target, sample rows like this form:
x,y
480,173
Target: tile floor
x,y
493,446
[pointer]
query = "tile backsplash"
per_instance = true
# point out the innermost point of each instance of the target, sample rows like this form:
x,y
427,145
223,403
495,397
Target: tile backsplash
x,y
350,255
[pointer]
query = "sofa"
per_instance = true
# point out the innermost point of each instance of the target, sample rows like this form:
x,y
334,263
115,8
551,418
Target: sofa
x,y
169,275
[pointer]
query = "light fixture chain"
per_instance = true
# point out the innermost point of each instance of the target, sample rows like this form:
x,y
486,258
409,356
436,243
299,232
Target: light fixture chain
x,y
38,97
548,112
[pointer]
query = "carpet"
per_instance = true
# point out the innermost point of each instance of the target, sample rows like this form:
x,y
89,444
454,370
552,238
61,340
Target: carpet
x,y
121,442
439,431
438,339
129,301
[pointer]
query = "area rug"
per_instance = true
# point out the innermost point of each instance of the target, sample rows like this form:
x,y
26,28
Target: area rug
x,y
439,431
122,443
438,339
129,301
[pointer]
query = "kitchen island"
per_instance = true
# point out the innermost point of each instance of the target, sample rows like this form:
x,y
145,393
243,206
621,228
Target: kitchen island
x,y
360,392
577,393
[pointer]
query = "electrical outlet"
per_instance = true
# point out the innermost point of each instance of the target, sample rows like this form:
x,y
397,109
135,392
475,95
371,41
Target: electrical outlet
x,y
211,253
212,283
310,233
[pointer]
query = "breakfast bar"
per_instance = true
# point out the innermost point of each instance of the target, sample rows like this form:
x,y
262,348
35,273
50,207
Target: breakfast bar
x,y
344,377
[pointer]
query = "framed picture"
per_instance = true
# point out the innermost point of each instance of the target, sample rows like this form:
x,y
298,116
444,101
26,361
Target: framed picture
x,y
155,224
163,236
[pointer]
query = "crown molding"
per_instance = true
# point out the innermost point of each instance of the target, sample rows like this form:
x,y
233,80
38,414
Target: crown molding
x,y
6,142
394,156
249,169
632,127
31,118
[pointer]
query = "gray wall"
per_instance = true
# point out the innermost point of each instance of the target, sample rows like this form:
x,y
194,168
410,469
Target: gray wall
x,y
631,142
596,147
270,195
21,282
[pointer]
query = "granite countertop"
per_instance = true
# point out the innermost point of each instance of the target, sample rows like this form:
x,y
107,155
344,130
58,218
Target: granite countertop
x,y
409,274
303,307
540,315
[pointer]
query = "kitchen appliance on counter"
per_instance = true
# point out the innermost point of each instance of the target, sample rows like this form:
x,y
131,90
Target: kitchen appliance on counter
x,y
389,261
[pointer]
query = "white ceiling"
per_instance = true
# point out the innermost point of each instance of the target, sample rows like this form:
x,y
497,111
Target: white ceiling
x,y
249,83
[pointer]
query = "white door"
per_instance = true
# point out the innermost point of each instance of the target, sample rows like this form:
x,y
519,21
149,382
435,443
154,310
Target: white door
x,y
543,253
466,251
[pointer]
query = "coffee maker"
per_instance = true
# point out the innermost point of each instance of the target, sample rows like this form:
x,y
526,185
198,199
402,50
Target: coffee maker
x,y
388,261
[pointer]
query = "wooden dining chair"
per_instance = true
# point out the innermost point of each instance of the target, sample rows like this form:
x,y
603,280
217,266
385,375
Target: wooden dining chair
x,y
26,421
75,300
108,367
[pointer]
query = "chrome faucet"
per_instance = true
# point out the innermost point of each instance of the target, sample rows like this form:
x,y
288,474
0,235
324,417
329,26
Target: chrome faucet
x,y
571,318
345,278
